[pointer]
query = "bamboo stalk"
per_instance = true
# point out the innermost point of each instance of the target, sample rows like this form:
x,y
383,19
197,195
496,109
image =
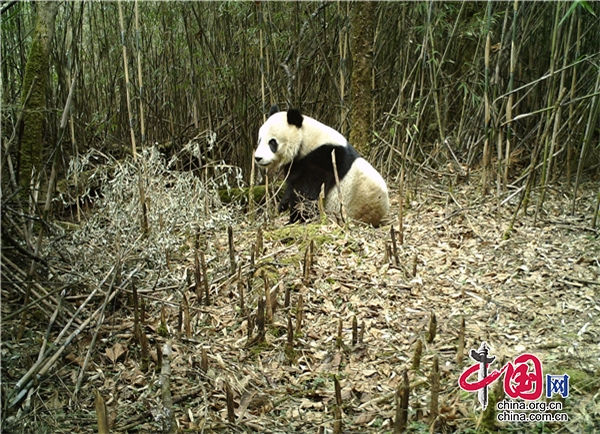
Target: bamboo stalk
x,y
289,345
550,117
260,319
286,298
229,402
511,81
140,80
342,39
337,407
339,191
435,390
416,361
24,383
142,170
204,361
49,330
38,245
561,93
232,264
544,77
21,287
434,74
499,180
198,276
127,84
394,245
99,323
299,314
553,141
575,16
500,185
250,190
401,197
262,60
338,340
486,145
432,328
34,302
268,301
460,351
240,286
401,398
205,279
590,127
101,413
187,318
596,211
361,334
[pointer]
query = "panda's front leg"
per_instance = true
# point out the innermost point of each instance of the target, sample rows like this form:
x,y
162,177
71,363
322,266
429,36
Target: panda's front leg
x,y
287,198
289,201
295,210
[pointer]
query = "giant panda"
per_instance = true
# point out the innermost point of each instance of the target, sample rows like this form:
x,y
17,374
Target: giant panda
x,y
302,146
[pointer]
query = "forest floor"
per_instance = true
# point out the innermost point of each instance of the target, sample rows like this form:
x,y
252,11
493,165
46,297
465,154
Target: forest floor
x,y
537,292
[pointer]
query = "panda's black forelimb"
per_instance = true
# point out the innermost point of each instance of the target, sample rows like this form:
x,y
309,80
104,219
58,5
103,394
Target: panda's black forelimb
x,y
291,200
296,201
284,205
302,209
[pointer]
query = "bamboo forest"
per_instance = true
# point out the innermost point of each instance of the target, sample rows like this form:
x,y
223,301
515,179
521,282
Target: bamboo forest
x,y
309,216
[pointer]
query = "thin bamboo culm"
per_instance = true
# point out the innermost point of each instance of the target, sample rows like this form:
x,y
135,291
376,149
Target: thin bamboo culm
x,y
127,84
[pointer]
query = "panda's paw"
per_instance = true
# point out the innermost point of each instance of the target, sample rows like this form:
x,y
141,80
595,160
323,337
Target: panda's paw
x,y
284,206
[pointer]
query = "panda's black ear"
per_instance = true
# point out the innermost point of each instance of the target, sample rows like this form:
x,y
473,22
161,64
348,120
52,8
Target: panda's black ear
x,y
294,117
274,109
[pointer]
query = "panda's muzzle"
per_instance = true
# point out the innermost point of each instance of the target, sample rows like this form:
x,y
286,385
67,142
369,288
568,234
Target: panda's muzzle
x,y
262,161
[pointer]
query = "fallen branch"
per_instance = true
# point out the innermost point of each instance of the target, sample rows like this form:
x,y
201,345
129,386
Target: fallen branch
x,y
34,302
19,276
25,382
99,323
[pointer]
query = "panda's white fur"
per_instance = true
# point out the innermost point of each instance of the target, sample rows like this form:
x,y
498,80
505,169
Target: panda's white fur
x,y
303,146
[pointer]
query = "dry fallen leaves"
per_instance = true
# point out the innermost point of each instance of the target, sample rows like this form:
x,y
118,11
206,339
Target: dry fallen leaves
x,y
538,291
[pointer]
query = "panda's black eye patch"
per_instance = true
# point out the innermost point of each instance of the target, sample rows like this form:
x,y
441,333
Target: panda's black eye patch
x,y
273,145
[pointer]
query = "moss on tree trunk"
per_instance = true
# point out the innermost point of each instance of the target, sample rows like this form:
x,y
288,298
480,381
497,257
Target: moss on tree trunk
x,y
34,85
362,16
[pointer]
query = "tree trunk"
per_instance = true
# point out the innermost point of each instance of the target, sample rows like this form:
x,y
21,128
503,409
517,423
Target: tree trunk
x,y
362,28
34,81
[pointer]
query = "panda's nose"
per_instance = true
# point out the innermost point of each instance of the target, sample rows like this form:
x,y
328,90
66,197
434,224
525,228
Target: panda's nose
x,y
258,159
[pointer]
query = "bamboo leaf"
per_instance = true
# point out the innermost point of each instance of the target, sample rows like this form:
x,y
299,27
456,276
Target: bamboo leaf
x,y
587,6
574,5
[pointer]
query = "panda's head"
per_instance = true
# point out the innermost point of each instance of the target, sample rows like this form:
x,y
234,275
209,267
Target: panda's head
x,y
279,138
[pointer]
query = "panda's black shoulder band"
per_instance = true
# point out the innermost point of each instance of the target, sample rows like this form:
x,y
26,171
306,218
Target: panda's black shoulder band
x,y
294,117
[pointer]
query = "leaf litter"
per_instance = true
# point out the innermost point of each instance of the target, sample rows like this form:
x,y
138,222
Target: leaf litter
x,y
536,292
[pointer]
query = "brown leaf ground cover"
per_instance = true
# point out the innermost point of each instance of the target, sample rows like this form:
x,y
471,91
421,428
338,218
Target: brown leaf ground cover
x,y
537,292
